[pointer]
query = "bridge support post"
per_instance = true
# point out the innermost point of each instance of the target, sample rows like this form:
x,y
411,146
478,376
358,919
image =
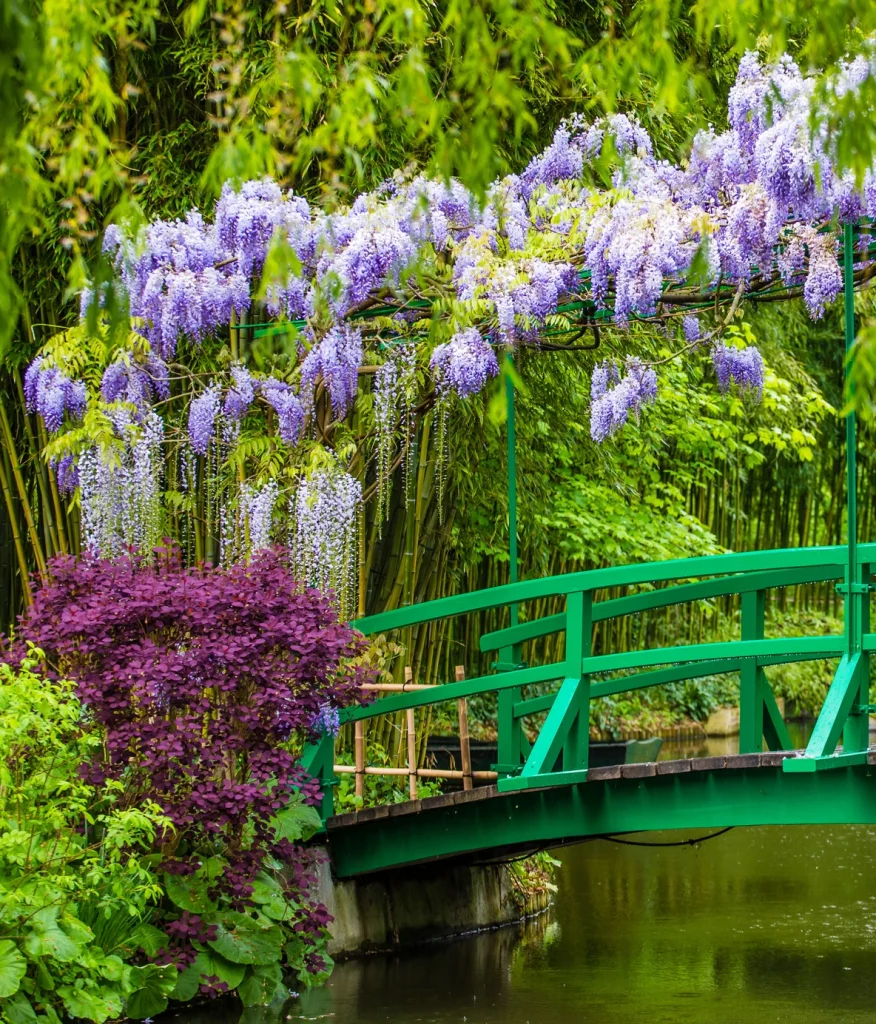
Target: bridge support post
x,y
511,741
846,707
576,749
758,712
318,760
567,726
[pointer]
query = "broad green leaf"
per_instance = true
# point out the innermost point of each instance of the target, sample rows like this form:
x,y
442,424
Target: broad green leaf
x,y
261,984
19,1010
244,941
90,1005
265,888
189,892
297,822
45,938
12,968
148,938
187,984
113,968
76,929
268,894
154,985
210,964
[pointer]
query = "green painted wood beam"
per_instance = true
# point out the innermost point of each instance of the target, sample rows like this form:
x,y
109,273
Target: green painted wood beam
x,y
616,576
565,707
775,730
738,583
714,651
673,674
451,691
691,800
828,762
834,712
565,778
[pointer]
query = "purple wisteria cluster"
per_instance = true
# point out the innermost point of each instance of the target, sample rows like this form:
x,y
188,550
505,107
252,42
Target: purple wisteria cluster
x,y
52,394
739,195
335,359
464,364
755,203
614,397
740,366
324,544
120,490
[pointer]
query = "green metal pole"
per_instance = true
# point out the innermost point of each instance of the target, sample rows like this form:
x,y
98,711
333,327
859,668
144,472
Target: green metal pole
x,y
853,640
512,479
856,599
510,729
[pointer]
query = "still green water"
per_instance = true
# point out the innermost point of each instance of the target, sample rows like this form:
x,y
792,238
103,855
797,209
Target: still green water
x,y
759,925
769,924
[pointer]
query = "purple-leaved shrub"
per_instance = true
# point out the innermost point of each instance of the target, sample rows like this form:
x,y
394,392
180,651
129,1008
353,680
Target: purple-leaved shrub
x,y
203,681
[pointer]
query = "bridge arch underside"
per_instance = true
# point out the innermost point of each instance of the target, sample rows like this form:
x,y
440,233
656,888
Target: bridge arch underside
x,y
700,793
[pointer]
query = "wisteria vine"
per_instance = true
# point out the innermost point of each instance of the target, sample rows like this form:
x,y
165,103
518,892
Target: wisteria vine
x,y
422,273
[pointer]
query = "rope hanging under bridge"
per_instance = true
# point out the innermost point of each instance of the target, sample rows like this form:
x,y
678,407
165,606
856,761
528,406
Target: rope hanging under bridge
x,y
679,842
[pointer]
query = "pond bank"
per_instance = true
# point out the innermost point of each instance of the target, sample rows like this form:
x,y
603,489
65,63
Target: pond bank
x,y
401,909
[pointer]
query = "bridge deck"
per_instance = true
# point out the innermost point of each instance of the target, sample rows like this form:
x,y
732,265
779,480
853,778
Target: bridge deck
x,y
700,792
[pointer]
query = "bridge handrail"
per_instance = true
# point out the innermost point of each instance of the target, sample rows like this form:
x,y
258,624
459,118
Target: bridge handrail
x,y
738,583
748,574
613,576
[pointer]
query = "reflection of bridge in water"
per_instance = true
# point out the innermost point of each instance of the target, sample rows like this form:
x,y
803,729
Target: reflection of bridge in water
x,y
533,804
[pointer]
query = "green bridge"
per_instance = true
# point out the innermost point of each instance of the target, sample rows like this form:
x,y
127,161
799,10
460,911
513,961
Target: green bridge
x,y
533,805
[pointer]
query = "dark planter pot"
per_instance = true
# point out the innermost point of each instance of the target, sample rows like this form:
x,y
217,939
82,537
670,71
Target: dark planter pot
x,y
443,752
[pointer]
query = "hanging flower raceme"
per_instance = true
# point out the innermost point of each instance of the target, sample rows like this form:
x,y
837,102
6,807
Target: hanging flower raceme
x,y
120,492
327,720
255,518
67,474
324,540
240,395
464,364
50,393
335,358
135,382
740,366
283,400
202,418
614,398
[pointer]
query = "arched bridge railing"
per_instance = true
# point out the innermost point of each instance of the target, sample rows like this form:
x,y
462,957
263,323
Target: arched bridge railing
x,y
582,677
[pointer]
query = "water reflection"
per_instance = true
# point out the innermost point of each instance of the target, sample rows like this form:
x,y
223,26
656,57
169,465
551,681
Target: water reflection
x,y
761,925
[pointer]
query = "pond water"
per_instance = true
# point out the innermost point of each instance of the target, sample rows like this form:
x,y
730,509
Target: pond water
x,y
758,925
769,924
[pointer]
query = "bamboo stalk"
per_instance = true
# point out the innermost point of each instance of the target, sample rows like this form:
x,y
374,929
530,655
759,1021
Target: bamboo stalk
x,y
412,743
422,773
464,743
39,555
359,745
16,536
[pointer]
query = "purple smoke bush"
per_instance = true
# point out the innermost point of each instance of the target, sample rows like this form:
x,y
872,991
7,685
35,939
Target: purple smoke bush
x,y
198,679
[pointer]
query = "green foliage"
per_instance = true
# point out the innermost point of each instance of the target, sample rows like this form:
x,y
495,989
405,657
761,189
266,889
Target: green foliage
x,y
379,789
248,950
74,879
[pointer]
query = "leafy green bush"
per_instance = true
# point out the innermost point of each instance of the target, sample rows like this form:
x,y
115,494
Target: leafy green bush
x,y
76,886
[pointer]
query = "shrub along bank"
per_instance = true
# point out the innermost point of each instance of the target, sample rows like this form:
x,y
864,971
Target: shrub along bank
x,y
153,811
